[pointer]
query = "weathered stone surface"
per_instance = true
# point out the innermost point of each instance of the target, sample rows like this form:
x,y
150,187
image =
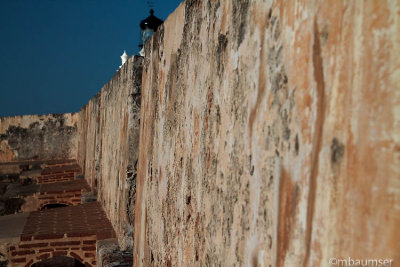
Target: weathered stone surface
x,y
3,260
38,137
108,146
270,135
89,142
109,254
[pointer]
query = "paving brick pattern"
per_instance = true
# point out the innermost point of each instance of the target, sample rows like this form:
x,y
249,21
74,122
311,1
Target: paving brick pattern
x,y
69,193
58,172
68,231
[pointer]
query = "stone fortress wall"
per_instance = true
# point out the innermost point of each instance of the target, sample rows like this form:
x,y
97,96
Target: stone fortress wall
x,y
270,135
108,142
253,133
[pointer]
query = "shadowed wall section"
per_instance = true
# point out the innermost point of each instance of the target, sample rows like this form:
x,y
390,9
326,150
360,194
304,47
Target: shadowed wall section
x,y
108,142
38,137
270,135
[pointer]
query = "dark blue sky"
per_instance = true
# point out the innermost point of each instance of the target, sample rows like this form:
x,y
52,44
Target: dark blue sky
x,y
57,54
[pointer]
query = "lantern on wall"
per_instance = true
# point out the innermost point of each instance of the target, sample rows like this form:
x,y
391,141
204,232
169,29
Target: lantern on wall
x,y
148,26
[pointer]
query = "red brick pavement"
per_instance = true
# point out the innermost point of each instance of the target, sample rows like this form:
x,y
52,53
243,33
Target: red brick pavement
x,y
68,231
69,193
58,172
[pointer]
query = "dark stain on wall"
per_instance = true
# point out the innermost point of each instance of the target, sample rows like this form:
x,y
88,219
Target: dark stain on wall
x,y
240,11
337,151
220,53
296,145
44,139
13,205
3,260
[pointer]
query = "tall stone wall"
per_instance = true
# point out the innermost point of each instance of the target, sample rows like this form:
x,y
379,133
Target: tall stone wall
x,y
38,137
89,138
108,142
270,135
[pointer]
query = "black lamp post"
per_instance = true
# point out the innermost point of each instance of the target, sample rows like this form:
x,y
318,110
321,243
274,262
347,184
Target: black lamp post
x,y
148,26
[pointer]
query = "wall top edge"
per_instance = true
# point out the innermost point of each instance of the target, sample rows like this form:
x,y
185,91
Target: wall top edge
x,y
54,115
131,60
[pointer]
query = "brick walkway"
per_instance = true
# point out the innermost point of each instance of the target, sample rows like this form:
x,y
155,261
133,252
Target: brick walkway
x,y
68,231
58,172
73,231
69,193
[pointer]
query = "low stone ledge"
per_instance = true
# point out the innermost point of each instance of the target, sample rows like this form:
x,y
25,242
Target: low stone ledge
x,y
109,254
